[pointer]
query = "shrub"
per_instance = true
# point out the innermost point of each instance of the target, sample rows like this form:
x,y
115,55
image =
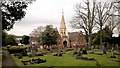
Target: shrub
x,y
74,53
16,49
24,53
19,56
69,49
24,62
92,59
98,53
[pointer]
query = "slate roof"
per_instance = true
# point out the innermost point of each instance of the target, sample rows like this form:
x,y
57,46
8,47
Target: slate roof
x,y
74,35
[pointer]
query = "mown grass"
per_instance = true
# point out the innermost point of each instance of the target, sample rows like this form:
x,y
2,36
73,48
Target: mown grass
x,y
65,60
0,56
69,60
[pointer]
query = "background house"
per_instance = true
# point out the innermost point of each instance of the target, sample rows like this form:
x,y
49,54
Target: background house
x,y
76,38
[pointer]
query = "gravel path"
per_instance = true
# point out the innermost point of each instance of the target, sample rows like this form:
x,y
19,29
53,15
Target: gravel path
x,y
7,61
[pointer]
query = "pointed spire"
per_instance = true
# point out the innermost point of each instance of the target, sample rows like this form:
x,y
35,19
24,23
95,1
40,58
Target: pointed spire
x,y
62,28
62,24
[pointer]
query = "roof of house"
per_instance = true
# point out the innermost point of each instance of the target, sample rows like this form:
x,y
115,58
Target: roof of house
x,y
34,39
18,36
74,35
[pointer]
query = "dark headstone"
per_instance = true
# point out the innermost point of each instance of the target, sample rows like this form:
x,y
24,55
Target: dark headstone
x,y
81,49
79,54
91,59
41,54
19,57
25,62
30,55
59,54
40,60
104,52
84,52
15,54
48,49
55,54
24,53
99,54
113,56
61,51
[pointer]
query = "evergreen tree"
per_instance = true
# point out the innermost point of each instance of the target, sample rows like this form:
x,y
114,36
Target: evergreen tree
x,y
49,36
25,40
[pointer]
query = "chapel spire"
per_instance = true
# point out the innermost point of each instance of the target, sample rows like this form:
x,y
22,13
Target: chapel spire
x,y
62,25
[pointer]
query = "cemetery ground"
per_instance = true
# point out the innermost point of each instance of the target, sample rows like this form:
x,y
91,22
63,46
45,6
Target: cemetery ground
x,y
0,56
68,59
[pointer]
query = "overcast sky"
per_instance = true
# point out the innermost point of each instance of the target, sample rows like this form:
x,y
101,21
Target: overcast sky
x,y
43,12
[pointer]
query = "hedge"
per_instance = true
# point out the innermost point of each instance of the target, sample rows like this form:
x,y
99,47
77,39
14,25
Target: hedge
x,y
16,49
69,49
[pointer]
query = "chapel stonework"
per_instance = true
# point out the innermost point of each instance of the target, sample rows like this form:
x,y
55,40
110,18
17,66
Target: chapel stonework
x,y
62,32
72,38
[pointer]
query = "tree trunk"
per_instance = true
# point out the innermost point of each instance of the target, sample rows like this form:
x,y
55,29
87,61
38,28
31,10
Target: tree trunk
x,y
92,49
33,53
117,47
100,36
89,41
104,50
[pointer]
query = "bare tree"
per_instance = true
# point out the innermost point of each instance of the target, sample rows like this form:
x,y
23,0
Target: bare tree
x,y
117,6
36,32
103,11
84,19
113,22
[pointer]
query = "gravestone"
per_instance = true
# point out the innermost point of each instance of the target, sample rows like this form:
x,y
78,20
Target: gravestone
x,y
78,55
84,52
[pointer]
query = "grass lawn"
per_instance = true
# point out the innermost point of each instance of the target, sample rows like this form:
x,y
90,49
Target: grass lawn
x,y
0,56
69,60
0,60
65,60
